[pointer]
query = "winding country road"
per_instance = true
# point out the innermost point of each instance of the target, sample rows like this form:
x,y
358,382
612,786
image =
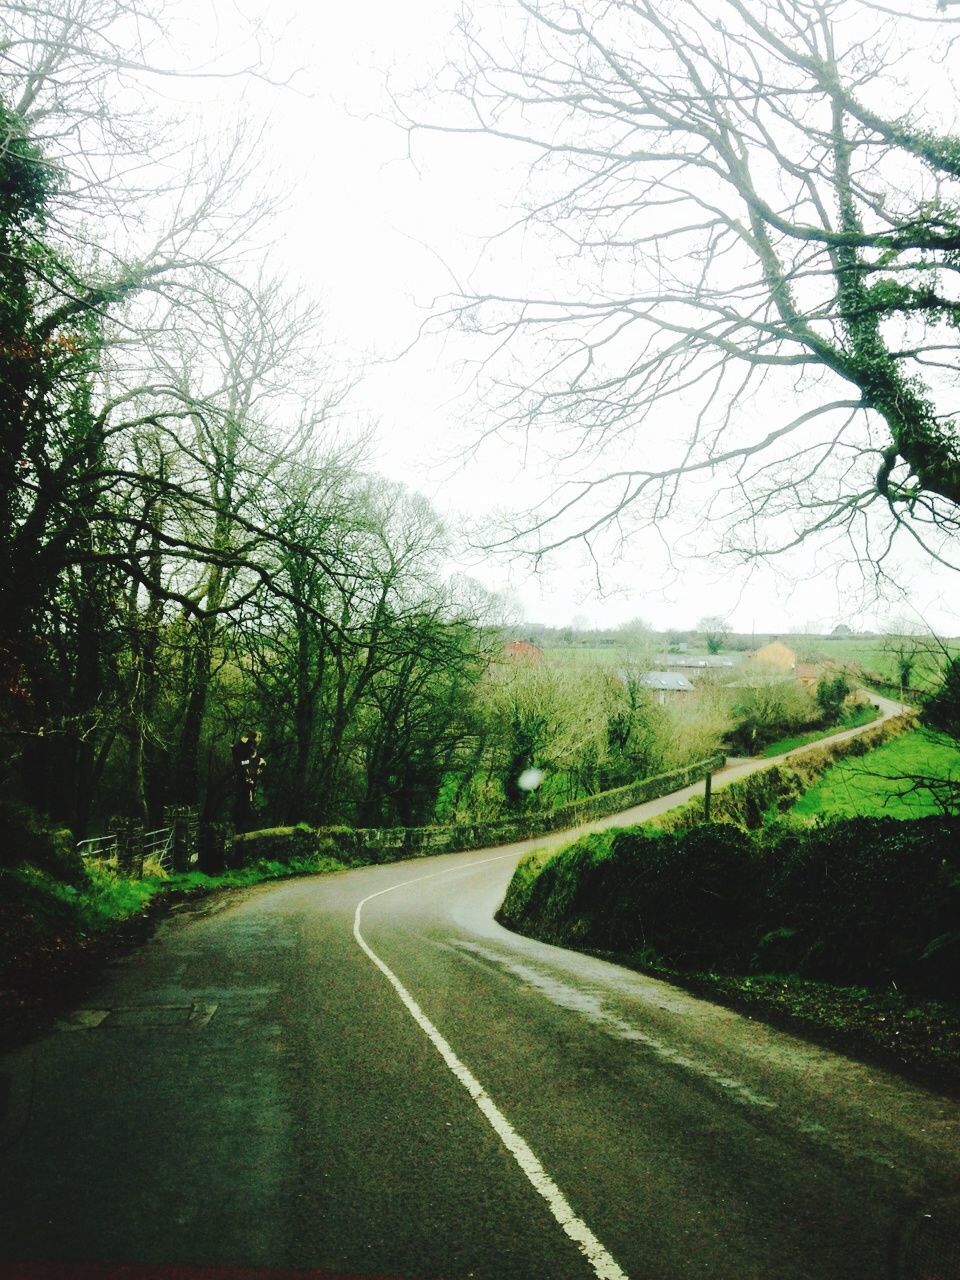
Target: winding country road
x,y
363,1074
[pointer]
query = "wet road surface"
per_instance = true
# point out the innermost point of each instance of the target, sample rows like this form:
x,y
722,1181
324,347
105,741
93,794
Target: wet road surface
x,y
363,1073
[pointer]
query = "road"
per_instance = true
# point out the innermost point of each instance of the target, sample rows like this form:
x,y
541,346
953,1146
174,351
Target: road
x,y
363,1074
739,767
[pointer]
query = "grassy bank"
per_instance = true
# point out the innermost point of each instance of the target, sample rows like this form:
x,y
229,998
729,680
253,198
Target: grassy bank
x,y
878,784
52,930
760,797
861,716
850,929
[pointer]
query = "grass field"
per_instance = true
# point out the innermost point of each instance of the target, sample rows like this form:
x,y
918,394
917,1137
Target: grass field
x,y
876,785
876,654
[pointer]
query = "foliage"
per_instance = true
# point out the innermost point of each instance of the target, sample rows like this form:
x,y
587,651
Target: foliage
x,y
862,901
26,840
189,547
832,693
942,708
716,632
754,800
379,844
770,707
545,717
694,726
45,924
186,549
853,720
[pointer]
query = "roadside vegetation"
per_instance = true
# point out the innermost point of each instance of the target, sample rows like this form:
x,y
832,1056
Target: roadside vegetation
x,y
58,914
826,897
901,779
853,719
837,928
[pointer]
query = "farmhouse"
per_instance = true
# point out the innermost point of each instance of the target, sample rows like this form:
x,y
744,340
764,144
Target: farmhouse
x,y
808,673
522,651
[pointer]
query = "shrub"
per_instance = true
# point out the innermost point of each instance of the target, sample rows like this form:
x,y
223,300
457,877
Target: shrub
x,y
832,693
864,901
27,840
770,709
942,709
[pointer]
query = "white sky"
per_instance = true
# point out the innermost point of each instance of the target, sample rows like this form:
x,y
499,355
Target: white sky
x,y
371,232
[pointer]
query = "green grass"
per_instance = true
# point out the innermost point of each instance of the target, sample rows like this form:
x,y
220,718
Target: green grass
x,y
44,922
256,873
109,898
863,715
876,785
875,654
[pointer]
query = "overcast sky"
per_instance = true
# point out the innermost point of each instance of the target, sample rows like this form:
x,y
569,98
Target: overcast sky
x,y
380,237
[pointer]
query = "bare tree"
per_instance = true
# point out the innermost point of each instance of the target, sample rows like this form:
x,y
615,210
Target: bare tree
x,y
131,477
756,210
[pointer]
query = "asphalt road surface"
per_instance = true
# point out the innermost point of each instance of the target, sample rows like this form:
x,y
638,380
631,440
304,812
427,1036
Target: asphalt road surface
x,y
363,1074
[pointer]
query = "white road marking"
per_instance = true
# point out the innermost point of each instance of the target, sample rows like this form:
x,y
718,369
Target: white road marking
x,y
604,1265
200,1015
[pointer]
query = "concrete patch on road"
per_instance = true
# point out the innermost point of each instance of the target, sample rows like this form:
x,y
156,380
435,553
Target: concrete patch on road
x,y
82,1020
151,1017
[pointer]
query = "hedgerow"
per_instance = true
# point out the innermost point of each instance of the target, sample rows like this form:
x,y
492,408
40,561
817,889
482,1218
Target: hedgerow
x,y
754,800
867,901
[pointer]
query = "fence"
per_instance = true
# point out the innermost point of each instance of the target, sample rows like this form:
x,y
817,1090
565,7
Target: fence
x,y
99,848
158,845
127,846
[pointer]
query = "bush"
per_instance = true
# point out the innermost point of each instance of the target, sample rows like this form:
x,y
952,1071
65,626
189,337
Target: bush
x,y
26,839
832,693
771,709
942,709
865,901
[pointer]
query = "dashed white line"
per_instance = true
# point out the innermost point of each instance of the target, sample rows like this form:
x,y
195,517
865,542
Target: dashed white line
x,y
604,1265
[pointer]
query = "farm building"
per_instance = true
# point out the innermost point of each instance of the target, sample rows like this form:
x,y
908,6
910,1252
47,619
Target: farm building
x,y
522,651
666,683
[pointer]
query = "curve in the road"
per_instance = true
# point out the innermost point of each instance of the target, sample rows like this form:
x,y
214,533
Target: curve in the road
x,y
600,1259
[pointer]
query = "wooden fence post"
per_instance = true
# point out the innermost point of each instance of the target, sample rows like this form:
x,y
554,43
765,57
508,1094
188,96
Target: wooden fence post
x,y
707,788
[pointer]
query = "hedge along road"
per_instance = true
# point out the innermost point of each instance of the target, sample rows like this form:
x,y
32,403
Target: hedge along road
x,y
364,1075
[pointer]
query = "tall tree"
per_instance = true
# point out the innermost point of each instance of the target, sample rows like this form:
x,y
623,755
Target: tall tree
x,y
760,259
